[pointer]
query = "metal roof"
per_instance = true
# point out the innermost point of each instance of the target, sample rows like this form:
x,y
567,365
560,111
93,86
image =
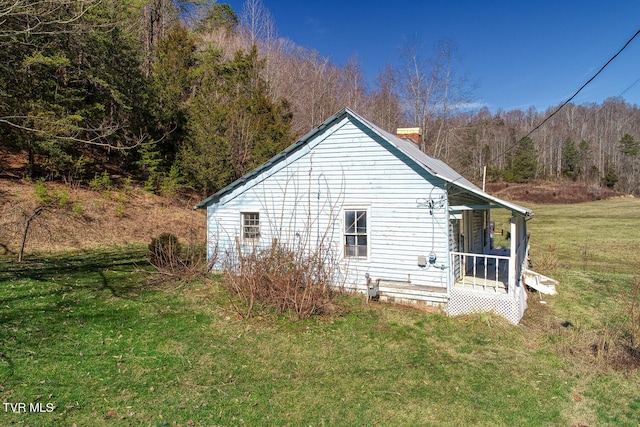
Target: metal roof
x,y
434,166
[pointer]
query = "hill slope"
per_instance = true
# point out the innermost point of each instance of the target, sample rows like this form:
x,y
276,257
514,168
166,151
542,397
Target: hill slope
x,y
90,219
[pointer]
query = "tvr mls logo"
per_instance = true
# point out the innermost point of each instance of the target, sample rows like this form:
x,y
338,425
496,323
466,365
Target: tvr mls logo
x,y
23,408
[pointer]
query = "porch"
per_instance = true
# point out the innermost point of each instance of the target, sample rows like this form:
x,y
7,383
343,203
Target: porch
x,y
491,281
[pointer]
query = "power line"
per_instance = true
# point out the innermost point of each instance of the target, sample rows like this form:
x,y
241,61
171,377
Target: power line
x,y
569,100
632,85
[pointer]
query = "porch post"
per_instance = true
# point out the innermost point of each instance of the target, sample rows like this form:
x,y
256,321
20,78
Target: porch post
x,y
513,256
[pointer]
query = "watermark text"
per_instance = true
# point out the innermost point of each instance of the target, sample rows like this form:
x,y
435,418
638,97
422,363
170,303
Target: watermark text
x,y
28,408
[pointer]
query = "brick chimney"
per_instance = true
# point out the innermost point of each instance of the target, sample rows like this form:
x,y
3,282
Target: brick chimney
x,y
410,134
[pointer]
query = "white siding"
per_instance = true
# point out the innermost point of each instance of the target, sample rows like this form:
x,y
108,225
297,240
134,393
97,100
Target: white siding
x,y
302,205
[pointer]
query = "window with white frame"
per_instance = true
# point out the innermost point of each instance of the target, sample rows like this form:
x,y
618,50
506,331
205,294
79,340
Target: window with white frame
x,y
355,233
250,226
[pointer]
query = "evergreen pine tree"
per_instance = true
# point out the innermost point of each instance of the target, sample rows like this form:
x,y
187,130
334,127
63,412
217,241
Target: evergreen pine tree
x,y
233,125
570,160
629,146
523,165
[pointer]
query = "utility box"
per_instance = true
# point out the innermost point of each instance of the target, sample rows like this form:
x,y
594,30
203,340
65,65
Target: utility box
x,y
422,261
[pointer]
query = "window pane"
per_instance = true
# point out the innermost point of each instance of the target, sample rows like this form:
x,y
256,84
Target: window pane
x,y
350,251
362,251
251,233
350,240
361,222
349,221
362,240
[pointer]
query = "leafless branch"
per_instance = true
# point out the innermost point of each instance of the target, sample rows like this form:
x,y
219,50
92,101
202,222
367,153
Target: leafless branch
x,y
102,133
38,15
30,217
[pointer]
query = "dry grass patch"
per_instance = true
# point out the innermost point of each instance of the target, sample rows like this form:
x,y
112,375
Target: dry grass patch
x,y
110,218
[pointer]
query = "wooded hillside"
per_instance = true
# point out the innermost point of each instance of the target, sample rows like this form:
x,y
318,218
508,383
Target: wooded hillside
x,y
195,94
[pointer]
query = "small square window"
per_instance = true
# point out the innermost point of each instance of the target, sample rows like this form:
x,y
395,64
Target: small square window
x,y
250,225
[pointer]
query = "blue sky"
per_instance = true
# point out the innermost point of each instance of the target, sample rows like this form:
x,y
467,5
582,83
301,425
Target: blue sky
x,y
520,53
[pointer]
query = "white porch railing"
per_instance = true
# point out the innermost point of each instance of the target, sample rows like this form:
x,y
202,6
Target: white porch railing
x,y
481,270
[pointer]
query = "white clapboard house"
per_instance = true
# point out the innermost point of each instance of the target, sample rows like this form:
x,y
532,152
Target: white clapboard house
x,y
403,226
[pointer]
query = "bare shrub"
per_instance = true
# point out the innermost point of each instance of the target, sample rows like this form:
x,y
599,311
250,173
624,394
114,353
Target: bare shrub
x,y
164,250
170,259
603,347
289,279
617,344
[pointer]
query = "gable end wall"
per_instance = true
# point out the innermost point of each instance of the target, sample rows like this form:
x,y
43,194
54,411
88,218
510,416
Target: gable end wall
x,y
302,203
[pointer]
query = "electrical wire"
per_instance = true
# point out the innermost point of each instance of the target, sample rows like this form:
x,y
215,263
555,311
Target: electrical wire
x,y
632,85
570,99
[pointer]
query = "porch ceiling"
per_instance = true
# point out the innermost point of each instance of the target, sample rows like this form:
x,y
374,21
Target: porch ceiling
x,y
460,208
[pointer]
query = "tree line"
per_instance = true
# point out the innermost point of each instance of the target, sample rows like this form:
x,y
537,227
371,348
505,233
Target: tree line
x,y
195,94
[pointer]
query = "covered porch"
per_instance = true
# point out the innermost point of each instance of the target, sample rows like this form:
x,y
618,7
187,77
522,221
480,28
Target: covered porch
x,y
483,277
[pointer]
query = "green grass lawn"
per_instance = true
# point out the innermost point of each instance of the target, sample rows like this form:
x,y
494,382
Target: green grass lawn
x,y
91,335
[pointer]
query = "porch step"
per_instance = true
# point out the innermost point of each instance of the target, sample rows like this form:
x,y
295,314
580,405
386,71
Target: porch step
x,y
405,291
539,282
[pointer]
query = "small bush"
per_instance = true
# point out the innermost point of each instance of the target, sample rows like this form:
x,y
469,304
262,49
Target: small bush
x,y
171,260
118,211
77,209
62,197
170,183
128,186
59,197
121,204
100,182
42,192
150,185
164,251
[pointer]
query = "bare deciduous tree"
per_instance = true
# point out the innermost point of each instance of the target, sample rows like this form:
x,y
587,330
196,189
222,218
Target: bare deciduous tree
x,y
432,89
258,22
384,105
157,17
355,84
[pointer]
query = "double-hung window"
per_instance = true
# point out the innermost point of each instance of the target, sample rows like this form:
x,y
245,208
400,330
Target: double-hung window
x,y
355,233
250,226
